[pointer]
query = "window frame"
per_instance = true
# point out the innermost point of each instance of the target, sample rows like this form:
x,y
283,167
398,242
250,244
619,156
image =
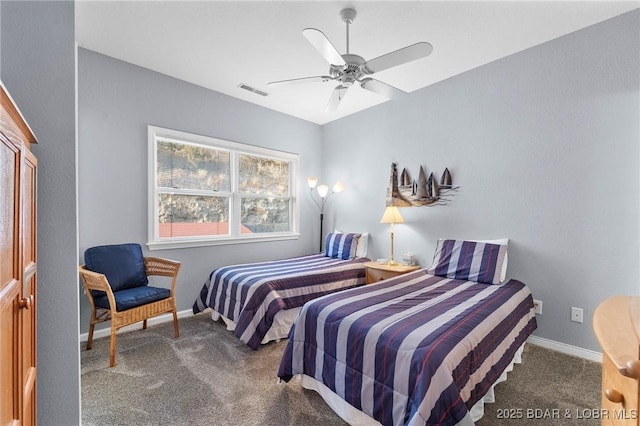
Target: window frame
x,y
235,149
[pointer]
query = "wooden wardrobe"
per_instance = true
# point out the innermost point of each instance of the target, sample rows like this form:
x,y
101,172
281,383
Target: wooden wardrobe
x,y
18,172
616,323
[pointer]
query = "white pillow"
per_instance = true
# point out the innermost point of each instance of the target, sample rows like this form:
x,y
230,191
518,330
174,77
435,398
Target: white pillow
x,y
363,242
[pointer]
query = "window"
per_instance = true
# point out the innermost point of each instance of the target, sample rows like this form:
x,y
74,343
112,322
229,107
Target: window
x,y
206,191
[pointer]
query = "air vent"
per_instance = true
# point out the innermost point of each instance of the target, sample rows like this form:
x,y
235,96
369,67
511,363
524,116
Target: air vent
x,y
252,89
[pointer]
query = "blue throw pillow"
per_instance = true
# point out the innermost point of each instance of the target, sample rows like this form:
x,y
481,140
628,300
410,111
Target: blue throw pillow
x,y
123,264
341,246
469,260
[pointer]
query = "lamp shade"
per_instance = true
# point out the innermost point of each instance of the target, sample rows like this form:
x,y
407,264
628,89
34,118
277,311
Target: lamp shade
x,y
338,187
312,181
391,215
323,190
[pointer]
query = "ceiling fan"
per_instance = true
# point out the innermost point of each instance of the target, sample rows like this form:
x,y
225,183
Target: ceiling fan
x,y
349,69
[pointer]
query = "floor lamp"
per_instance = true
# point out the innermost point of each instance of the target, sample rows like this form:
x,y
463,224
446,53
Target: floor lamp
x,y
392,215
323,192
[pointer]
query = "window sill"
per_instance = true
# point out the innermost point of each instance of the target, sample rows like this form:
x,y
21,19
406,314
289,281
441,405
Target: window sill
x,y
176,244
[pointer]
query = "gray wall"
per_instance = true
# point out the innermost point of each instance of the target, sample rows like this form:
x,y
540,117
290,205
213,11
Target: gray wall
x,y
545,147
116,102
38,68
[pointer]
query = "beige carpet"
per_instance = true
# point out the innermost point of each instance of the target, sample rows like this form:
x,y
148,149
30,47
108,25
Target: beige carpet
x,y
207,377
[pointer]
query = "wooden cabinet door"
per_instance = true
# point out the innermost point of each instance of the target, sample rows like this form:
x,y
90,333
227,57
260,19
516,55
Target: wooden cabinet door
x,y
10,285
27,303
17,267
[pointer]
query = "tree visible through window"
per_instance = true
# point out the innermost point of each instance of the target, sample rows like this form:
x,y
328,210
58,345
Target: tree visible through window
x,y
264,191
193,190
207,189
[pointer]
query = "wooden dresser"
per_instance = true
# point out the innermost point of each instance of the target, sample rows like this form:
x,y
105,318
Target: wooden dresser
x,y
18,168
616,323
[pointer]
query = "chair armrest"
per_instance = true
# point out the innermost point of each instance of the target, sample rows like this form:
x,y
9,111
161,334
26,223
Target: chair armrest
x,y
94,280
163,267
160,266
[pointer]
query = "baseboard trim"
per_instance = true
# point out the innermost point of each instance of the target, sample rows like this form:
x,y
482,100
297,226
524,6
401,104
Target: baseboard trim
x,y
106,332
565,348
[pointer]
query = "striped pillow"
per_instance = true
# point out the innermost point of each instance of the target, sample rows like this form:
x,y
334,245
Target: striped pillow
x,y
341,246
469,261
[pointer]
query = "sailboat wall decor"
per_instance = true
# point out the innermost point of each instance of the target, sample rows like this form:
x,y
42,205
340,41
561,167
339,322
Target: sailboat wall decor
x,y
423,192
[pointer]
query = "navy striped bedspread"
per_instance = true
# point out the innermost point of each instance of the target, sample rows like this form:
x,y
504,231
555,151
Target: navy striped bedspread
x,y
252,294
415,350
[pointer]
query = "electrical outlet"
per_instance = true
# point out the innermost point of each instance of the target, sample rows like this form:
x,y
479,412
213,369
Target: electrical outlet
x,y
537,305
576,314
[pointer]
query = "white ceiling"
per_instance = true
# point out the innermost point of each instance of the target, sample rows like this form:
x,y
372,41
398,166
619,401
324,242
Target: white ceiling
x,y
220,44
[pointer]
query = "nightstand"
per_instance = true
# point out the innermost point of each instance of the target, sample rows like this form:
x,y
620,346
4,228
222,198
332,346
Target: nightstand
x,y
378,272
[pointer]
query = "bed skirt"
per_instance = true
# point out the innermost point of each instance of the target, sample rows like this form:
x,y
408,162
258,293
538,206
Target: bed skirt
x,y
356,417
279,330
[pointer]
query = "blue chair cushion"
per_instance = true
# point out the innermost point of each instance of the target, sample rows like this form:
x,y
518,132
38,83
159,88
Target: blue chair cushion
x,y
133,297
123,265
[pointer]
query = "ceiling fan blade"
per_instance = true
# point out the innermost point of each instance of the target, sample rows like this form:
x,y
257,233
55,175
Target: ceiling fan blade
x,y
398,57
384,89
314,79
324,46
336,96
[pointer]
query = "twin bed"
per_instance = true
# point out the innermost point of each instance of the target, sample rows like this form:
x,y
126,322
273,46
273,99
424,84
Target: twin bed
x,y
260,301
422,348
416,349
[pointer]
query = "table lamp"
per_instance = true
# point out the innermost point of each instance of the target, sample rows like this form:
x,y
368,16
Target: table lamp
x,y
392,215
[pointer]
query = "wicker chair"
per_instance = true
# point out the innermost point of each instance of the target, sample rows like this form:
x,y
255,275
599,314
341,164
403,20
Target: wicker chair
x,y
119,291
